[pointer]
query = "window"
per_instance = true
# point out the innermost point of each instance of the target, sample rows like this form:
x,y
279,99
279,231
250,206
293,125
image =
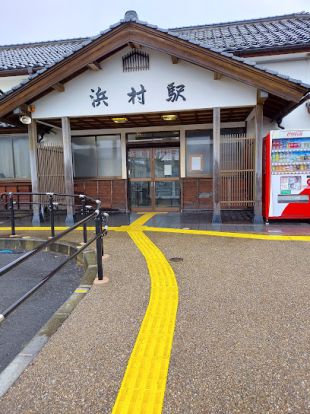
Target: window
x,y
199,153
97,156
84,156
109,156
14,157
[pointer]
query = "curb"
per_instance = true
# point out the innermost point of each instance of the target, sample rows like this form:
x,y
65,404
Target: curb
x,y
87,258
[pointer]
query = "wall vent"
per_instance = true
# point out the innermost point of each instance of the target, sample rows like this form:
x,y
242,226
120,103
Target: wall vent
x,y
136,60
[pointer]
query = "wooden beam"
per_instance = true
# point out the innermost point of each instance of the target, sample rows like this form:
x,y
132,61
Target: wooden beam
x,y
33,139
134,45
94,66
217,76
124,155
174,59
48,124
258,207
182,153
251,115
68,167
262,96
216,219
59,87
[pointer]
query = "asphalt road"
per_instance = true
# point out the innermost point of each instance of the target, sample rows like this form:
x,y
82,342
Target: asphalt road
x,y
23,323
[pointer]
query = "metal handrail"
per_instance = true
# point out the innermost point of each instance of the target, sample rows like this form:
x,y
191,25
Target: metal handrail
x,y
19,301
101,222
7,193
42,246
52,205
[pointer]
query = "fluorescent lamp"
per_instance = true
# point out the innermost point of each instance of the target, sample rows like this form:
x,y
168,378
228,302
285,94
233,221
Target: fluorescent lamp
x,y
120,120
169,117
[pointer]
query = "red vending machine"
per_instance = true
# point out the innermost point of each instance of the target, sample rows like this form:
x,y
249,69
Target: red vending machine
x,y
286,166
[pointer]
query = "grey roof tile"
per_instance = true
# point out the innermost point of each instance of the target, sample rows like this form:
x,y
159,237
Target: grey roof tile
x,y
279,31
275,32
37,55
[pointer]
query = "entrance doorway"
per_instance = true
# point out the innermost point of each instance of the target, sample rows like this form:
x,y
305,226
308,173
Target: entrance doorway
x,y
154,179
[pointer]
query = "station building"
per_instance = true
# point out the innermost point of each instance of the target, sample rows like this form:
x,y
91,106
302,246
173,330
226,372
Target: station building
x,y
151,119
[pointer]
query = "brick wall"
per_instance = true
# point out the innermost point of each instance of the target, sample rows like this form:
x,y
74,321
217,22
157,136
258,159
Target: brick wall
x,y
112,193
16,186
197,193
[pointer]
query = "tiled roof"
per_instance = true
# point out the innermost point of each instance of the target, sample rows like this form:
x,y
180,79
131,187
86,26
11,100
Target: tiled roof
x,y
81,43
272,32
34,55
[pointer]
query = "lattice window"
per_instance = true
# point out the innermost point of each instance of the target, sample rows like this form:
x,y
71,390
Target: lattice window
x,y
136,60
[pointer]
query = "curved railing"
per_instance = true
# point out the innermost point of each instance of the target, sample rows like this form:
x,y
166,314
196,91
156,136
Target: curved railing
x,y
88,211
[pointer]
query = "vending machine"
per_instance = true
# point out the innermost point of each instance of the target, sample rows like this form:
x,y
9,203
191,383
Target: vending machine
x,y
286,167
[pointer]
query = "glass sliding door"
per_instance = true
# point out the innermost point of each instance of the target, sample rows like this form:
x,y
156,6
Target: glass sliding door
x,y
154,175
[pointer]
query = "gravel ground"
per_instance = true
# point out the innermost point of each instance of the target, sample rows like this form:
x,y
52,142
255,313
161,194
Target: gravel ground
x,y
81,368
241,343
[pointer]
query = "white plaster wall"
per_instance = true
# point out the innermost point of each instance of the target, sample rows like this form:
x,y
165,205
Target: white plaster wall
x,y
6,83
201,90
297,68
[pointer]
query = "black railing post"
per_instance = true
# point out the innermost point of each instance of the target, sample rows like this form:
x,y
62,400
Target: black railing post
x,y
52,216
84,213
11,204
99,244
104,221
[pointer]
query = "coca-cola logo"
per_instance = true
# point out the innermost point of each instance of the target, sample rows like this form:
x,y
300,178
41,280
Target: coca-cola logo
x,y
294,134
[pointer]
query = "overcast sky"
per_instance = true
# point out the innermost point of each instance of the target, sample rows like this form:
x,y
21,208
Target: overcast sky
x,y
36,20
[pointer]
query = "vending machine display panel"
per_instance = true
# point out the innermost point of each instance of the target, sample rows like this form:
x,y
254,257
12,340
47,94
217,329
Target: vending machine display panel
x,y
287,174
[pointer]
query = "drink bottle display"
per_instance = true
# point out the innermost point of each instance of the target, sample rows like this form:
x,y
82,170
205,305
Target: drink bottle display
x,y
287,174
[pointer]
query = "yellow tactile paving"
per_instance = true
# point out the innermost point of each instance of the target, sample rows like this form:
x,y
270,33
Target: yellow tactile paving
x,y
256,236
143,386
143,219
141,227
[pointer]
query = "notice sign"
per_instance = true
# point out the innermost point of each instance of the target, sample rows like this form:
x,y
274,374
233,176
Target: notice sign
x,y
168,169
196,164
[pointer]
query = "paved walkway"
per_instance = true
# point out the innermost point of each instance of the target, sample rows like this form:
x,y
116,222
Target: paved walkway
x,y
241,338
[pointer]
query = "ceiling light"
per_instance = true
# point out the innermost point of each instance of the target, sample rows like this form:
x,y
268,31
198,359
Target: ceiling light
x,y
170,117
25,119
120,120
